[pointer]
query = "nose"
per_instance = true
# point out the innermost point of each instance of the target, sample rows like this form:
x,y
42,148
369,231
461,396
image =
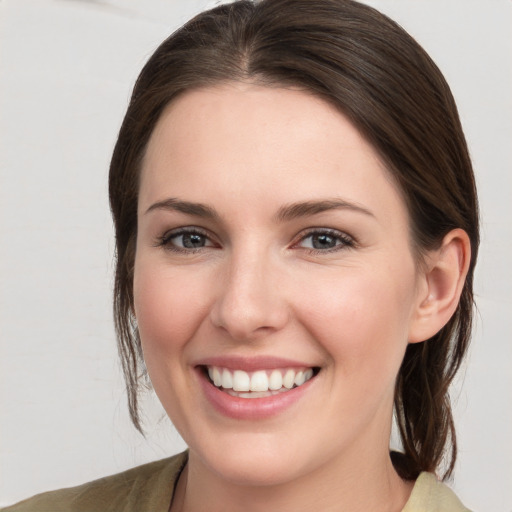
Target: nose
x,y
251,301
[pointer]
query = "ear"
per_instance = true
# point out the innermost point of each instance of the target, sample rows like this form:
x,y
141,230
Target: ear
x,y
441,282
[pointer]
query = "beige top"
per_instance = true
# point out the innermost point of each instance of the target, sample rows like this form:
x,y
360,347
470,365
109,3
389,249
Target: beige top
x,y
150,487
431,495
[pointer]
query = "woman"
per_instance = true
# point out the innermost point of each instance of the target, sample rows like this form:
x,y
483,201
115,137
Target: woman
x,y
297,228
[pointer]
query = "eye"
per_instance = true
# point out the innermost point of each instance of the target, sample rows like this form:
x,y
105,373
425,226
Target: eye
x,y
324,240
185,240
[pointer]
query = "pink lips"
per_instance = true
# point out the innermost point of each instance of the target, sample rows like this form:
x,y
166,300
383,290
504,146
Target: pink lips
x,y
250,408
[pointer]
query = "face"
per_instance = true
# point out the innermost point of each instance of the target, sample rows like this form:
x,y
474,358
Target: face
x,y
274,286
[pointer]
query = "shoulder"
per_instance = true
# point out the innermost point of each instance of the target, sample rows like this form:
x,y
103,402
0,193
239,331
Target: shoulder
x,y
146,487
431,495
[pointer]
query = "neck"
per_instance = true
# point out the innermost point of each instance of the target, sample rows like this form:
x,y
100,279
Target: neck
x,y
355,484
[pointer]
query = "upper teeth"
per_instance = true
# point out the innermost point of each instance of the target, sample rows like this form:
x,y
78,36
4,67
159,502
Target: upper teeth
x,y
261,380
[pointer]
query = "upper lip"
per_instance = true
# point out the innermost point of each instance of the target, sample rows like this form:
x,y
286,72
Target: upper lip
x,y
250,364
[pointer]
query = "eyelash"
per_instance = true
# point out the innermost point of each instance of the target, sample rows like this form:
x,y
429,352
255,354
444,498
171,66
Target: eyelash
x,y
165,240
346,241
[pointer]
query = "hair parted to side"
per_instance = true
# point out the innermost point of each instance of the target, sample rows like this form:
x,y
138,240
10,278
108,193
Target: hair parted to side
x,y
383,81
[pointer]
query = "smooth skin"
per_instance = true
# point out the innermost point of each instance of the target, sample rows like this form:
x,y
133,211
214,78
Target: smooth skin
x,y
332,283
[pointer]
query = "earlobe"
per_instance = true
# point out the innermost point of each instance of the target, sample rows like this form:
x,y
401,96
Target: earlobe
x,y
442,283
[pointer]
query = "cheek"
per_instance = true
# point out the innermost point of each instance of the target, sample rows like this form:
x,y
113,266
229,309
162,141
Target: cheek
x,y
169,307
361,319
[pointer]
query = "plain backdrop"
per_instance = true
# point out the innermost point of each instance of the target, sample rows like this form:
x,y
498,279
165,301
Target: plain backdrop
x,y
66,71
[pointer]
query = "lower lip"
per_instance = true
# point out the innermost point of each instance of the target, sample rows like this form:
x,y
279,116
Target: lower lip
x,y
251,408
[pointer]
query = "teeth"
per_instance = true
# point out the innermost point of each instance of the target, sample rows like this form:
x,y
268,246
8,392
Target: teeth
x,y
299,379
276,380
227,379
241,381
217,378
259,383
289,379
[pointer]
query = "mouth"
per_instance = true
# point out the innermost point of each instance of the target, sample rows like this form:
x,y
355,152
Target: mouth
x,y
260,383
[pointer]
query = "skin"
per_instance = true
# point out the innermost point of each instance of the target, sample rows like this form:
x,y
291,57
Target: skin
x,y
257,287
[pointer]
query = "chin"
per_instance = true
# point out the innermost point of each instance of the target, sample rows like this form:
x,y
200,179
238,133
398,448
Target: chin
x,y
257,462
256,472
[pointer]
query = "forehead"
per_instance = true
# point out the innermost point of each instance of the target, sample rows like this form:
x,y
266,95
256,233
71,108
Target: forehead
x,y
244,137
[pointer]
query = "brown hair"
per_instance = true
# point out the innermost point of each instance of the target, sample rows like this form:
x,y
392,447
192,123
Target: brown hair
x,y
384,82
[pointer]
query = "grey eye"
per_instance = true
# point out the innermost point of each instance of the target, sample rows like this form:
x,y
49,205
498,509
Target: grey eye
x,y
319,241
191,240
186,239
323,241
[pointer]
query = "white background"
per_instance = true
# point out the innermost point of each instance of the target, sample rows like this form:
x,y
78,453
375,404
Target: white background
x,y
66,71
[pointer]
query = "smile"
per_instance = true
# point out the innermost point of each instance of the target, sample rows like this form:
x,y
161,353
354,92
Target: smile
x,y
255,388
260,383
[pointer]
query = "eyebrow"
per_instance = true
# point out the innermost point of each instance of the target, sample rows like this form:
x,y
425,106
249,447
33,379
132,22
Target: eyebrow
x,y
285,213
173,204
304,209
